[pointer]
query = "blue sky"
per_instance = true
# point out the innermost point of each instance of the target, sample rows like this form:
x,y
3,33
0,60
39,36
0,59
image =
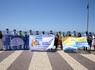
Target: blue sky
x,y
56,15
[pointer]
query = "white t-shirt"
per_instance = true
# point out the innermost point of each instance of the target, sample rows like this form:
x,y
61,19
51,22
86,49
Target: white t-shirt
x,y
93,41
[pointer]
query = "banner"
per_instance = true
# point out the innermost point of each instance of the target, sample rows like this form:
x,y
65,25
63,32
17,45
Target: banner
x,y
71,43
41,42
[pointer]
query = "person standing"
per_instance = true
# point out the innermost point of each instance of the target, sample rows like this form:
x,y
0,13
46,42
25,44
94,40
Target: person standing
x,y
7,39
93,42
74,34
56,40
63,35
43,32
79,34
90,39
14,33
60,40
20,33
30,32
87,35
68,34
37,32
50,33
1,41
26,41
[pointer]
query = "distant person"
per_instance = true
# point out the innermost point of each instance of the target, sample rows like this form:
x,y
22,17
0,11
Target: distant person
x,y
37,32
20,33
21,36
60,40
79,34
7,39
93,42
56,40
90,33
59,32
51,32
63,34
30,32
68,34
74,34
14,33
87,35
1,41
26,41
43,32
90,39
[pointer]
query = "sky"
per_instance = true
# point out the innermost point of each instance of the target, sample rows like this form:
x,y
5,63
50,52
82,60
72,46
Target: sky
x,y
46,15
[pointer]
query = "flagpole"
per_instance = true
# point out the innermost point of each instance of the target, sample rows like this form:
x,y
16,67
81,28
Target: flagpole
x,y
88,16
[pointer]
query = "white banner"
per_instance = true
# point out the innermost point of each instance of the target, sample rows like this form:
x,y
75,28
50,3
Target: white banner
x,y
41,42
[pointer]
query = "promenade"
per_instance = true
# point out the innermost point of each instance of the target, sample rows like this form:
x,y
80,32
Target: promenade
x,y
36,60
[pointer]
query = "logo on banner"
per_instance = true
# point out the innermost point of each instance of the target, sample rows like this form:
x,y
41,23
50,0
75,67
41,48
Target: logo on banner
x,y
34,42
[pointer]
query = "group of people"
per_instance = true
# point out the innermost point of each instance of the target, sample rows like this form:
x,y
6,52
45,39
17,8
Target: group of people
x,y
90,38
6,38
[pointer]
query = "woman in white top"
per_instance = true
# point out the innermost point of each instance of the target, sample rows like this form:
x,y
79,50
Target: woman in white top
x,y
93,42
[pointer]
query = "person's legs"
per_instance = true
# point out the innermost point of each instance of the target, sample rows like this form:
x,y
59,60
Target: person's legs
x,y
24,46
86,48
61,44
20,47
6,47
94,47
1,44
90,47
8,43
10,47
14,47
56,43
88,43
